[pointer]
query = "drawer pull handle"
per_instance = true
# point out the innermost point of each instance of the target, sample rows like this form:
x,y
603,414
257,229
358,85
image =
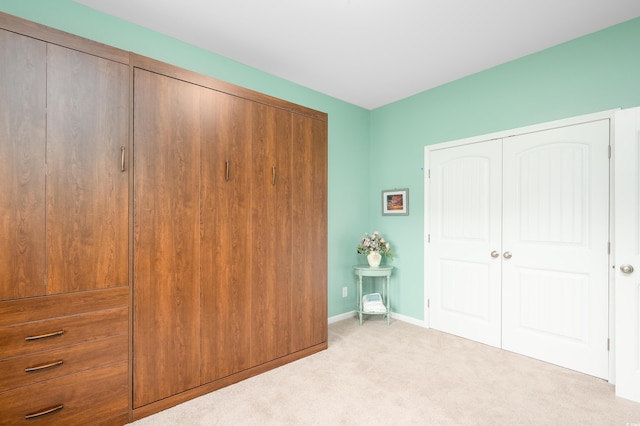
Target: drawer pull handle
x,y
44,336
43,366
44,412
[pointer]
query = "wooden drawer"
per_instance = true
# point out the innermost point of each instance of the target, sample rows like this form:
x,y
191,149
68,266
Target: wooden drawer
x,y
28,369
28,338
91,397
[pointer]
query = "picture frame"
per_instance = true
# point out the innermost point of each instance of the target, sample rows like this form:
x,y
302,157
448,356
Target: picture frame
x,y
395,202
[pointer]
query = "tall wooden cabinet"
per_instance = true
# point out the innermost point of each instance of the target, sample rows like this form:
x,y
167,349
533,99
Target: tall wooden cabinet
x,y
163,233
226,282
64,295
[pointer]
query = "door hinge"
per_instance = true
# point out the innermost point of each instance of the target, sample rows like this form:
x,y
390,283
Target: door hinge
x,y
608,345
428,303
428,238
609,151
609,247
429,173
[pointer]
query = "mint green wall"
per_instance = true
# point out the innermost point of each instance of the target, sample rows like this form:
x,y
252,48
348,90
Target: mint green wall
x,y
383,149
348,124
594,73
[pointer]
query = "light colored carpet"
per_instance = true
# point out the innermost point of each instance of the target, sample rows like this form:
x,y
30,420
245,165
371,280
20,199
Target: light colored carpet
x,y
407,375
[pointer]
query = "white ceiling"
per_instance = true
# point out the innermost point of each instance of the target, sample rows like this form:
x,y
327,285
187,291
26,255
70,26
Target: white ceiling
x,y
372,52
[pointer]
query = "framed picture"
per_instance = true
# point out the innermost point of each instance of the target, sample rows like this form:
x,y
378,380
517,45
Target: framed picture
x,y
395,202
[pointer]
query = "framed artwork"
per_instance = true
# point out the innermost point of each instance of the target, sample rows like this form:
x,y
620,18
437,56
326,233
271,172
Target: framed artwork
x,y
395,202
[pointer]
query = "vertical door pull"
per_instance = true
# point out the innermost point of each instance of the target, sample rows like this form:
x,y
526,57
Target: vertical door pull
x,y
122,149
226,176
273,175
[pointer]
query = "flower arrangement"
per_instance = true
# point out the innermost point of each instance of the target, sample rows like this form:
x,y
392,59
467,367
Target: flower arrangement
x,y
375,243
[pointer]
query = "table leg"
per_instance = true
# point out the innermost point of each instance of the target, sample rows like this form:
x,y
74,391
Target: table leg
x,y
388,302
359,295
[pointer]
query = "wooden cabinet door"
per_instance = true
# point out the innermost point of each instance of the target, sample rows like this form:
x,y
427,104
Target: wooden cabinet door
x,y
309,233
22,173
271,234
87,188
166,267
225,193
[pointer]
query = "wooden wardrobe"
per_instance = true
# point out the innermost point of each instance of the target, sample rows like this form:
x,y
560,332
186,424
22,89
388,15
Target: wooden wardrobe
x,y
164,233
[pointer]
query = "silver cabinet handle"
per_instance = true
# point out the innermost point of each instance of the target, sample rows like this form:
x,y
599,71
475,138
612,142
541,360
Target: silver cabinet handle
x,y
44,412
507,255
273,175
44,336
495,254
122,149
626,269
43,366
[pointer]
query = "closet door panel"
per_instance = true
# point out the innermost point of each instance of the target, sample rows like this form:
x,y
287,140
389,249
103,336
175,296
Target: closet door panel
x,y
465,229
309,233
22,161
166,265
556,226
226,235
271,234
87,190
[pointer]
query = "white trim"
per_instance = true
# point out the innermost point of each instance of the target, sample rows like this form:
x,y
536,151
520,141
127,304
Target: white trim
x,y
609,114
399,317
410,320
346,315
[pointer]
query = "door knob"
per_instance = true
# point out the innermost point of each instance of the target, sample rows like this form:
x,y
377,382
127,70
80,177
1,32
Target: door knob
x,y
626,269
495,254
507,255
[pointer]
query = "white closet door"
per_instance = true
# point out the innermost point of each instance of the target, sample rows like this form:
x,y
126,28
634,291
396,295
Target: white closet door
x,y
465,222
627,253
556,219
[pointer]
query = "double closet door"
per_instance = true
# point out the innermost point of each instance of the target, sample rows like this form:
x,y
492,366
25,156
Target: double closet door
x,y
518,247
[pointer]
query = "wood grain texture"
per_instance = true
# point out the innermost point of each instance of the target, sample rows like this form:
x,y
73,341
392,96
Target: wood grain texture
x,y
166,263
309,232
61,38
77,329
226,235
74,359
90,397
222,86
87,193
61,305
271,234
22,165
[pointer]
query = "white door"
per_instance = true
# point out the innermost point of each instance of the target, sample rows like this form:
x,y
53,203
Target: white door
x,y
465,219
627,253
555,246
540,203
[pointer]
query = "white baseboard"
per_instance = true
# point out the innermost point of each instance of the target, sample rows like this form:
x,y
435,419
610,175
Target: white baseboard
x,y
410,320
404,318
341,317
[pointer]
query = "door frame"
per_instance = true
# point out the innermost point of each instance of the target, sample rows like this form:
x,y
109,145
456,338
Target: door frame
x,y
505,134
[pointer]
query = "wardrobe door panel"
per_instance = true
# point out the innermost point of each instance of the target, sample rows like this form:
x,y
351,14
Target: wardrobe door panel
x,y
271,234
226,235
309,233
87,188
22,173
166,265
